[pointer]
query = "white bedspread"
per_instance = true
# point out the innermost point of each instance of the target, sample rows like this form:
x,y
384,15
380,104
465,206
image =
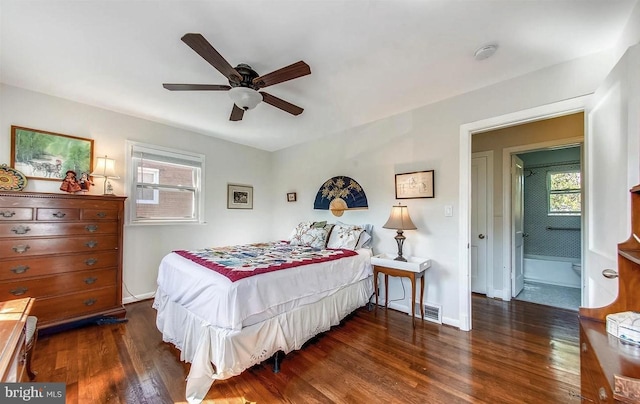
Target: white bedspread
x,y
233,305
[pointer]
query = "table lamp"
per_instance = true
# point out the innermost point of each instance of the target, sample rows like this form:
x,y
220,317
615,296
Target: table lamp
x,y
400,220
105,168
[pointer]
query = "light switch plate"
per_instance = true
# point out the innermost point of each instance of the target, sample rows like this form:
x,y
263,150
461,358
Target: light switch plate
x,y
448,210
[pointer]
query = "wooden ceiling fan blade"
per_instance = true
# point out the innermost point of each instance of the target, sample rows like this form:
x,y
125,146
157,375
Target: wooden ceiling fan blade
x,y
203,48
280,103
236,113
290,72
196,87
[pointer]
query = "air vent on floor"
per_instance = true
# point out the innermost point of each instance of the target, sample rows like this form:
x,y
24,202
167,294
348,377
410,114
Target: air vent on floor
x,y
432,312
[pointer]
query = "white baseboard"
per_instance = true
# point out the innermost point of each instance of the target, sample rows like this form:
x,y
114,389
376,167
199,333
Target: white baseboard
x,y
137,298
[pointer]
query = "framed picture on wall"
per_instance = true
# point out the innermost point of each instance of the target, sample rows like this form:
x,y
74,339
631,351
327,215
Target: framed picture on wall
x,y
291,197
46,155
239,196
419,184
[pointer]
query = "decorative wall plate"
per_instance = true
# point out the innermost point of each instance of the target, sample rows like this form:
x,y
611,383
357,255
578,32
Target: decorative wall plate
x,y
11,179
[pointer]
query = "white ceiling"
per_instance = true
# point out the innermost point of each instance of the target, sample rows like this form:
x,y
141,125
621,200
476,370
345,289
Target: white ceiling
x,y
369,59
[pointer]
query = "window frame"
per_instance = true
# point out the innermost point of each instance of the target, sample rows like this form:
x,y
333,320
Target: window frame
x,y
196,160
567,191
156,194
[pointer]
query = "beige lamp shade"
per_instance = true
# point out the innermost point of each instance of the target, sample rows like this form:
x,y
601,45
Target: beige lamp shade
x,y
399,219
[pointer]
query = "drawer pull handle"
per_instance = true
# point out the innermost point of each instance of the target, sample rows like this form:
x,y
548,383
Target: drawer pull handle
x,y
91,261
21,229
18,291
59,214
602,394
21,248
8,213
91,243
90,302
91,280
91,228
101,215
20,269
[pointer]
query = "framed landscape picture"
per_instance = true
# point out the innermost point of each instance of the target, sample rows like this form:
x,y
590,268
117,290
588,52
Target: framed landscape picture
x,y
418,184
239,196
48,156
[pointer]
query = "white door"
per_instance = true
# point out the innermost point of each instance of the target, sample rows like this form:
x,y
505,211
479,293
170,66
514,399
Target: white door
x,y
517,226
479,225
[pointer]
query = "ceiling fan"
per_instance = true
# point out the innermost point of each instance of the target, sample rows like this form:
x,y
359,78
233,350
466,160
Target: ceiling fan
x,y
244,82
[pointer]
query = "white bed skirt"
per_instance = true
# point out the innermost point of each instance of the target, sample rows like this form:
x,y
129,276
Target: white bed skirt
x,y
231,352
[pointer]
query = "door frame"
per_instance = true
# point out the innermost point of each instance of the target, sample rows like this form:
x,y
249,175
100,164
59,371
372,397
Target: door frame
x,y
565,107
490,218
507,214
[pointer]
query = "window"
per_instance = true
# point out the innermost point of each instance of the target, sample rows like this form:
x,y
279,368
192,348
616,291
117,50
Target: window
x,y
564,192
166,185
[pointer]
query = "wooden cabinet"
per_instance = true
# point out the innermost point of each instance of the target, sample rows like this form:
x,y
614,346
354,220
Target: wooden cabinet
x,y
603,356
64,250
13,320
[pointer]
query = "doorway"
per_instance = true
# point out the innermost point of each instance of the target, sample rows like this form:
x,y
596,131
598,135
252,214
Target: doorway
x,y
569,106
512,267
551,227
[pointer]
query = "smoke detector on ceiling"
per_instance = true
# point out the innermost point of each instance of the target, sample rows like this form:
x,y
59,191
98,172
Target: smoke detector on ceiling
x,y
485,52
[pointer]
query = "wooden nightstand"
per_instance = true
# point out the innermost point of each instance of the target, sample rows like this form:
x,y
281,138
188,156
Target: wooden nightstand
x,y
413,269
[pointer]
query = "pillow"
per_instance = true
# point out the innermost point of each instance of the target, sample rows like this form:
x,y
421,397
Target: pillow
x,y
300,229
344,236
366,238
306,234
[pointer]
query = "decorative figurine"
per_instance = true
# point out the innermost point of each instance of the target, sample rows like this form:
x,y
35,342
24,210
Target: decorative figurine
x,y
70,184
85,183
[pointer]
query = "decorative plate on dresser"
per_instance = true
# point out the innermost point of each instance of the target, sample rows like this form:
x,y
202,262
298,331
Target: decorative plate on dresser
x,y
11,179
65,251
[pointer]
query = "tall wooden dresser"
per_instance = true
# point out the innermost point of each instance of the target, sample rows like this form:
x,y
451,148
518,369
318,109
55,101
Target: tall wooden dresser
x,y
603,357
64,250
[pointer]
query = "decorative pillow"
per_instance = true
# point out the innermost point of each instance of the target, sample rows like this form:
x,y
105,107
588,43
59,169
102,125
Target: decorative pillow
x,y
307,235
344,236
366,238
300,229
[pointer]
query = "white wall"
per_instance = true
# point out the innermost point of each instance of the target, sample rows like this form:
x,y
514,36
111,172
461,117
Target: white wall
x,y
421,139
144,246
613,167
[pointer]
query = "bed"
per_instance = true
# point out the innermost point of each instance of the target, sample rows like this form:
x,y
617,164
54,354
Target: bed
x,y
227,309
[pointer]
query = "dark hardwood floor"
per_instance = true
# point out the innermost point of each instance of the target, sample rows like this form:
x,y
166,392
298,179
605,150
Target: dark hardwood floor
x,y
518,352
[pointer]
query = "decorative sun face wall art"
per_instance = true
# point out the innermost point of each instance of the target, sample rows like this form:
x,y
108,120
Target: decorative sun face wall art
x,y
339,194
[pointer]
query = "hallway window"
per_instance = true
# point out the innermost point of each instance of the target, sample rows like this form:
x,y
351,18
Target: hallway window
x,y
564,192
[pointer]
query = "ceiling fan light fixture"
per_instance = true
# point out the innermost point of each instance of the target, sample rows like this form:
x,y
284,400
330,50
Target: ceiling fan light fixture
x,y
245,97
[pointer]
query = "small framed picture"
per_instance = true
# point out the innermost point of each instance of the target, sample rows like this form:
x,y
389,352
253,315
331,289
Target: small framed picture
x,y
291,197
239,196
415,185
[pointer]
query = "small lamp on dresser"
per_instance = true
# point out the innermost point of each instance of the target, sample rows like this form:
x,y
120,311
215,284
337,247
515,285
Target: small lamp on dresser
x,y
105,168
400,221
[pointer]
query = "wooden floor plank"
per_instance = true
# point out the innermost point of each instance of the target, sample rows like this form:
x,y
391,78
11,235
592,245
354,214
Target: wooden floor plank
x,y
518,352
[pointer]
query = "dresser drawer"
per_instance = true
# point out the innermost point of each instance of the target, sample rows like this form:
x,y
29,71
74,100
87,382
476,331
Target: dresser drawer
x,y
56,229
57,214
11,214
41,246
75,304
54,285
99,214
28,267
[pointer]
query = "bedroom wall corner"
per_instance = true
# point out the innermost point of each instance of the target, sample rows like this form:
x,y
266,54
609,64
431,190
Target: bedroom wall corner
x,y
144,246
